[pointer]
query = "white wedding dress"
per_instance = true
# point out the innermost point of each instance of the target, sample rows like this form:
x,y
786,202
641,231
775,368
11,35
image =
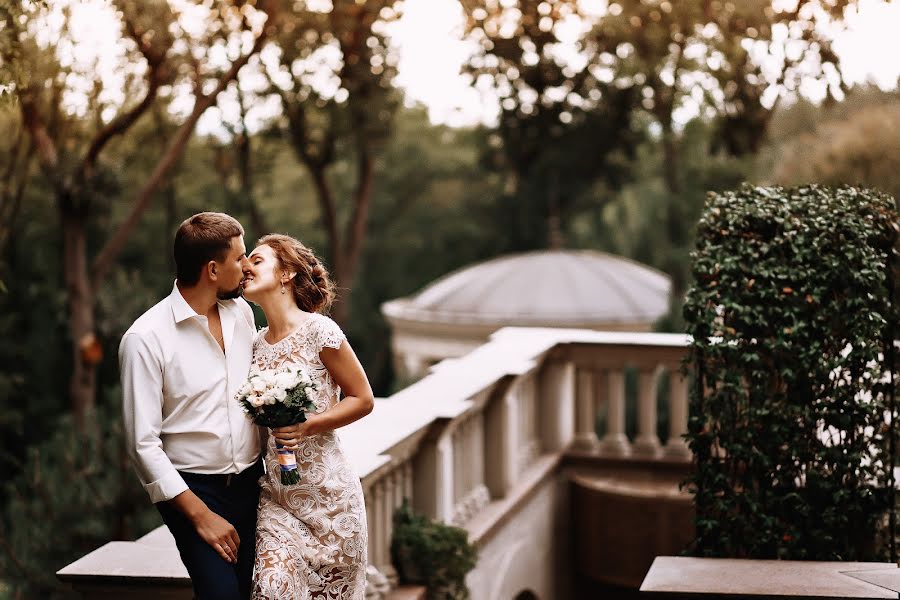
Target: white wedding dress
x,y
311,537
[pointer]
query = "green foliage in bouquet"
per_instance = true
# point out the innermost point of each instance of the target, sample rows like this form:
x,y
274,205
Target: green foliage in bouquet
x,y
76,492
277,399
792,314
432,554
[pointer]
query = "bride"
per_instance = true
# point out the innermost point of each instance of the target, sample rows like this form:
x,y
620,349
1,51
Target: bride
x,y
310,537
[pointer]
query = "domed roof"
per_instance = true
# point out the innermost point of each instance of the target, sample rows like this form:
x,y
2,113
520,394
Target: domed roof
x,y
546,288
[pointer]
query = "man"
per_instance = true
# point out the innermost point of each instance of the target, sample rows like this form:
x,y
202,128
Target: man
x,y
195,451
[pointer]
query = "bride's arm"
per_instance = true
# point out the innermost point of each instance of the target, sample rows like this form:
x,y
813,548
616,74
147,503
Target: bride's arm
x,y
358,400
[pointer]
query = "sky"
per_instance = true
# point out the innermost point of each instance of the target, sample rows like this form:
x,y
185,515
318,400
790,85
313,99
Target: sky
x,y
431,54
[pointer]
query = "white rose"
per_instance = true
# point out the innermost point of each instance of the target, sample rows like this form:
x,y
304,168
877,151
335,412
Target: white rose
x,y
255,401
279,394
285,381
258,385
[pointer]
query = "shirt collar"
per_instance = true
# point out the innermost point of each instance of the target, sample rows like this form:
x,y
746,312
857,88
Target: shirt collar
x,y
181,310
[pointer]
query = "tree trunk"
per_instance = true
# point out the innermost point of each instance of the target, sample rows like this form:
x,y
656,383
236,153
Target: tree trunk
x,y
245,171
356,235
670,160
85,347
171,223
336,258
554,214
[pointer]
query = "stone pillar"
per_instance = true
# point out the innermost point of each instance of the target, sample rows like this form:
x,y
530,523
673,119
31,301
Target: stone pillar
x,y
445,486
377,528
393,498
615,442
678,414
586,416
477,456
556,406
408,481
372,525
647,442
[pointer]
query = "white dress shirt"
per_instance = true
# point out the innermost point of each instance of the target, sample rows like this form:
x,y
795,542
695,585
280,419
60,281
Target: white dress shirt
x,y
178,391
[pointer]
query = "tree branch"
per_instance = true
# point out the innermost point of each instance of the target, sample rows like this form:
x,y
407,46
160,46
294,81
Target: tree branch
x,y
47,155
356,227
155,62
114,245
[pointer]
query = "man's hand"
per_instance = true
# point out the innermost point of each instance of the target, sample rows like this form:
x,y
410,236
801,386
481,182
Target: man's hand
x,y
218,533
212,529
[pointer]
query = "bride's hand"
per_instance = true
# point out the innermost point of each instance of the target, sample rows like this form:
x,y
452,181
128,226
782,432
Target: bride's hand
x,y
289,436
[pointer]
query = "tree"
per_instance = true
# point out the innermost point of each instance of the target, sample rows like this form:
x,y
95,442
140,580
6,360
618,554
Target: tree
x,y
852,142
344,107
69,148
550,62
733,60
560,129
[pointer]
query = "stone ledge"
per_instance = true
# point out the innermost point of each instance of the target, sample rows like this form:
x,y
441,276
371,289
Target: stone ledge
x,y
131,562
683,577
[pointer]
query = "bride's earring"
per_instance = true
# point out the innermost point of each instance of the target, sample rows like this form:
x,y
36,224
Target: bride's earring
x,y
282,287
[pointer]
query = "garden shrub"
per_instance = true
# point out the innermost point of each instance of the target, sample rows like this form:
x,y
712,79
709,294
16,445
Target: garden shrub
x,y
792,316
431,553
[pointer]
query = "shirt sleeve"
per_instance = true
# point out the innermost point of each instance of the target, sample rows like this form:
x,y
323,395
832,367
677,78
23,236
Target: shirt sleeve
x,y
142,403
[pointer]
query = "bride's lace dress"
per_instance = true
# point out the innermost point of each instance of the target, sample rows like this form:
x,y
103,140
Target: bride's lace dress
x,y
311,537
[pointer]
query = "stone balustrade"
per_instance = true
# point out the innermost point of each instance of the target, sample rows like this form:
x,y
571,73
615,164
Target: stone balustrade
x,y
475,438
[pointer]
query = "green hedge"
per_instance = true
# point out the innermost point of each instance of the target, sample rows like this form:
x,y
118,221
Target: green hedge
x,y
791,315
431,553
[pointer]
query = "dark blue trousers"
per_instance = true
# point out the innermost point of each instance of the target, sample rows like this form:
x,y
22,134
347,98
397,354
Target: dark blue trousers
x,y
235,499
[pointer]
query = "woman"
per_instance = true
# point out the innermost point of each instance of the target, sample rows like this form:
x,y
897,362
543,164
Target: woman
x,y
311,537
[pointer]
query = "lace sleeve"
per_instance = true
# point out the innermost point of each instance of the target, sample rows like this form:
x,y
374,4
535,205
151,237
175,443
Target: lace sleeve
x,y
327,334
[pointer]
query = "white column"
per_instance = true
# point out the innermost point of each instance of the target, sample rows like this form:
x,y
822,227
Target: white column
x,y
678,414
615,442
408,481
512,437
647,442
371,524
413,366
444,480
477,465
585,415
556,406
393,499
377,529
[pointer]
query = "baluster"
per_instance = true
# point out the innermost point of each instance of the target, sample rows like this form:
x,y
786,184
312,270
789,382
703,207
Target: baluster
x,y
678,414
585,421
376,528
394,498
647,441
615,442
371,527
408,481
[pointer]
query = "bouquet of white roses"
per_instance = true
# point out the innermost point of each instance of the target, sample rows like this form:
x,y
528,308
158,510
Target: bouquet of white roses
x,y
277,399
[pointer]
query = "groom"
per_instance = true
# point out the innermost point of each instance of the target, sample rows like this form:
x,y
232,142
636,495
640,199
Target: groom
x,y
196,453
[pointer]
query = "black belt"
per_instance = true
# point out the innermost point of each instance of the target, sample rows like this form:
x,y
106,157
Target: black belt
x,y
225,479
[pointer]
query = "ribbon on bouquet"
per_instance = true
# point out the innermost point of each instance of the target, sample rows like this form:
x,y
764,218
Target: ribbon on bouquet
x,y
288,463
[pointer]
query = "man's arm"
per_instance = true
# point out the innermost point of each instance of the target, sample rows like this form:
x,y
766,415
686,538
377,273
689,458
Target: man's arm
x,y
142,402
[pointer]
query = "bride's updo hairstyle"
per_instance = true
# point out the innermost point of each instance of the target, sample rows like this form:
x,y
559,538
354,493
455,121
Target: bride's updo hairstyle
x,y
312,288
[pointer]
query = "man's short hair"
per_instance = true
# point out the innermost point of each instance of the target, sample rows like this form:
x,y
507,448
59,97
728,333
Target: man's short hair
x,y
201,238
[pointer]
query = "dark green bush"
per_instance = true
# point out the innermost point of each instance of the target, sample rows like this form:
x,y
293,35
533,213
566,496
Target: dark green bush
x,y
76,492
791,315
432,554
